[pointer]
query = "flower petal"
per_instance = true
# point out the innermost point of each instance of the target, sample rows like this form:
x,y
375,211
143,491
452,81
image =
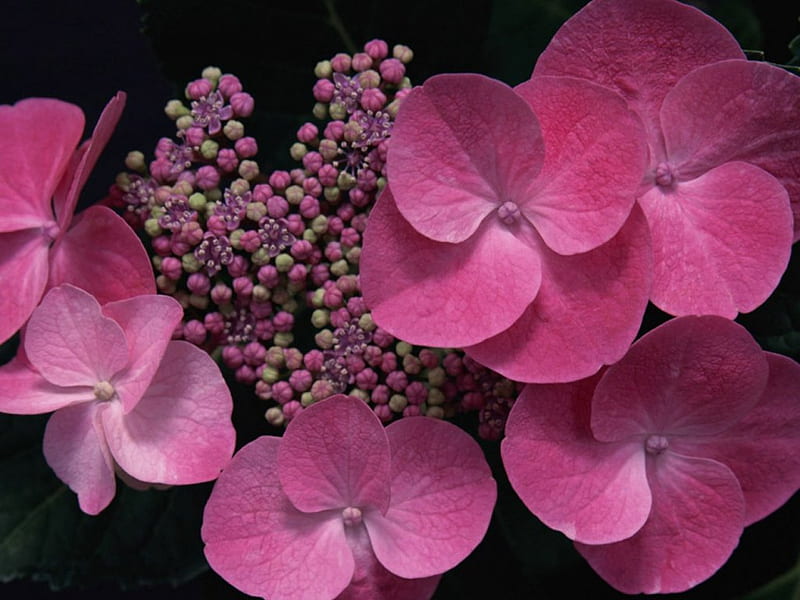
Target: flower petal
x,y
101,254
690,376
76,450
695,524
148,322
591,491
180,432
70,342
720,242
39,137
639,49
23,261
23,391
762,448
261,544
462,145
442,499
736,110
335,454
586,314
595,154
442,294
67,196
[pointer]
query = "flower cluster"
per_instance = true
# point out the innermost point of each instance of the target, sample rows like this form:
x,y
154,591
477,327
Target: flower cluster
x,y
259,259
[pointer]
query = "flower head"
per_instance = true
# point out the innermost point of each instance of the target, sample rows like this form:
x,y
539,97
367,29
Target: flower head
x,y
724,145
340,505
655,466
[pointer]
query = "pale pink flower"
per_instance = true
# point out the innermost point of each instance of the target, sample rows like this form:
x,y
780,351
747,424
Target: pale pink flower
x,y
127,399
507,228
340,507
724,142
42,172
655,466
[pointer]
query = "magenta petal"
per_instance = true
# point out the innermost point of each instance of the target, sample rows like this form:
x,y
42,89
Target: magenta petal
x,y
736,110
694,526
148,322
371,580
592,170
586,314
762,448
640,49
720,242
261,544
180,432
39,137
335,454
690,376
70,342
25,392
101,254
442,294
23,261
591,491
462,145
76,450
442,499
64,203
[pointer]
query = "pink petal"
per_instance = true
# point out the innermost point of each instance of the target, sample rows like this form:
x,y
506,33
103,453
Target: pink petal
x,y
693,528
442,294
148,322
591,491
261,544
442,499
70,342
23,391
690,376
67,198
462,145
180,432
639,49
586,314
762,448
592,169
39,137
101,254
720,242
335,454
23,261
371,580
75,449
736,110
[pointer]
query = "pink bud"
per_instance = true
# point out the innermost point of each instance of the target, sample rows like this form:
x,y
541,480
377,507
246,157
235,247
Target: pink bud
x,y
313,360
280,180
232,357
392,70
171,268
335,131
376,49
243,286
194,332
341,62
207,177
198,283
254,353
361,61
250,241
313,162
221,294
227,160
238,266
246,147
198,89
229,85
268,276
301,380
194,136
277,207
373,99
262,192
242,104
308,132
214,323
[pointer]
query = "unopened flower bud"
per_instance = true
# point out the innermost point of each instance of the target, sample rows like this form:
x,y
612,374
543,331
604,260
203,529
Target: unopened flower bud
x,y
175,109
233,130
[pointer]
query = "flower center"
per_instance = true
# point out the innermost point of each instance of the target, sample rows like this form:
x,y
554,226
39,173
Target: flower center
x,y
50,230
508,212
665,176
655,444
351,516
103,391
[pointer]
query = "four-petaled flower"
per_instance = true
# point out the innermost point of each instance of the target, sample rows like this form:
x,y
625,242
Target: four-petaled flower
x,y
655,466
342,508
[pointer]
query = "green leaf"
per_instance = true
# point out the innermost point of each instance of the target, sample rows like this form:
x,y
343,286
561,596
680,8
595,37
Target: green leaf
x,y
785,587
142,538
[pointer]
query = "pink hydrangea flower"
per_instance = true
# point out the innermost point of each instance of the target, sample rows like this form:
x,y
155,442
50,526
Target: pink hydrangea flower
x,y
42,172
127,399
724,142
655,466
509,229
340,507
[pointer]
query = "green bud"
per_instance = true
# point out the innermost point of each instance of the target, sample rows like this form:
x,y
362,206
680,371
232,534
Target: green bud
x,y
359,393
261,293
402,53
434,412
381,183
340,267
235,237
249,169
328,149
274,416
366,323
274,357
332,194
306,399
233,130
175,109
284,262
165,284
398,402
319,224
290,306
260,257
504,388
297,151
323,69
256,211
152,228
270,374
411,364
190,263
209,149
310,236
283,339
320,111
337,110
345,181
184,122
157,262
200,302
212,74
353,255
403,348
317,299
437,377
240,186
324,339
197,201
436,397
135,161
294,194
320,318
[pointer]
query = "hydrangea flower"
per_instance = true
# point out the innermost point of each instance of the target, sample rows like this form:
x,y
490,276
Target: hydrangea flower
x,y
340,507
41,175
655,466
724,143
507,227
127,399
